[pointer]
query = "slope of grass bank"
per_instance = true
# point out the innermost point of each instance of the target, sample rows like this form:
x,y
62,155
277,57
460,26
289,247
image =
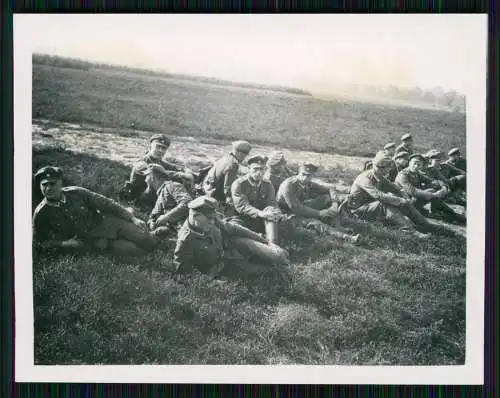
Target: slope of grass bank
x,y
389,301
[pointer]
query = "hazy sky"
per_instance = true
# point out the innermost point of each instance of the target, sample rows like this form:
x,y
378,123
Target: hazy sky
x,y
309,51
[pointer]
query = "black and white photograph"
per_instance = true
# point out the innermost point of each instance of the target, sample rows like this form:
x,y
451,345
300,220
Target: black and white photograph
x,y
283,191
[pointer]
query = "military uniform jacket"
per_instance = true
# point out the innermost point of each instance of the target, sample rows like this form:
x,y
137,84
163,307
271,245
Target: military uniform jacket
x,y
402,147
276,178
173,199
440,173
249,198
391,176
172,171
414,184
204,249
292,194
78,213
367,187
221,176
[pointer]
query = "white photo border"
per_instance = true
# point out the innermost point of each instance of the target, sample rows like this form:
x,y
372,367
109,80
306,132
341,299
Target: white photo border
x,y
472,373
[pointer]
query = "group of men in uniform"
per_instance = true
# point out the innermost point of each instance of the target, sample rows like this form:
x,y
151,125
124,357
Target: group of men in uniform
x,y
235,223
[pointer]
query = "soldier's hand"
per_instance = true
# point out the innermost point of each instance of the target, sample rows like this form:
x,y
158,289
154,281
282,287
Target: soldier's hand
x,y
229,201
139,223
271,213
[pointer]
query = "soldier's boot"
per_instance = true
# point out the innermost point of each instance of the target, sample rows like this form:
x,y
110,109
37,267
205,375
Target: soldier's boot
x,y
400,221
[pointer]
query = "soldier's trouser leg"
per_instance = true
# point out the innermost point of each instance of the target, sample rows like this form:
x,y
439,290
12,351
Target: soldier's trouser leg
x,y
260,252
439,206
319,203
125,248
114,228
414,215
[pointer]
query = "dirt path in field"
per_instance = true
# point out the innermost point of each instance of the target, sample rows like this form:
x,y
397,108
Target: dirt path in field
x,y
126,146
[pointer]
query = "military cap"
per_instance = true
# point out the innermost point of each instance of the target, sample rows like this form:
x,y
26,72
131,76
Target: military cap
x,y
48,173
161,138
203,204
417,156
433,154
276,158
242,146
401,154
453,151
382,160
257,159
389,145
308,168
406,137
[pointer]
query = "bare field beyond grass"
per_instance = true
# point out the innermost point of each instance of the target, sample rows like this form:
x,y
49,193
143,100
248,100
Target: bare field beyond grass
x,y
120,99
388,301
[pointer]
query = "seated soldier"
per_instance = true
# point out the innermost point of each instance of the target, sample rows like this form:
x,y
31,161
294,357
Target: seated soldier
x,y
390,149
276,171
313,204
374,198
400,162
209,244
171,208
152,170
456,184
74,218
218,181
254,200
406,144
456,160
424,190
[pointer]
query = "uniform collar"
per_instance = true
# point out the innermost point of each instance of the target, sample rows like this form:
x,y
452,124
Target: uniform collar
x,y
195,231
253,183
56,204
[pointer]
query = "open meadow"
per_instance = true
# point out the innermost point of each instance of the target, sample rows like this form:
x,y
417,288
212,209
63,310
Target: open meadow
x,y
387,301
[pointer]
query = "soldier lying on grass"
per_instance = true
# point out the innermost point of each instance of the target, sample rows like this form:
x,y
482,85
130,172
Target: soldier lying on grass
x,y
374,198
456,183
151,171
314,205
425,190
77,219
211,244
456,160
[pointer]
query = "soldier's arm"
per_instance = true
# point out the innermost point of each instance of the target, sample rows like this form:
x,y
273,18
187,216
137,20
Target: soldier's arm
x,y
321,188
295,205
406,186
180,211
241,203
43,237
234,229
102,203
170,166
138,169
229,176
384,197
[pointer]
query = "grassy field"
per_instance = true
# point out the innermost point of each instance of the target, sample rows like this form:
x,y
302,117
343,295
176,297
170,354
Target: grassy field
x,y
119,99
387,301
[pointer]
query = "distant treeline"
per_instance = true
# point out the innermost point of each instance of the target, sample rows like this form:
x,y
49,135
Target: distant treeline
x,y
435,96
64,62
